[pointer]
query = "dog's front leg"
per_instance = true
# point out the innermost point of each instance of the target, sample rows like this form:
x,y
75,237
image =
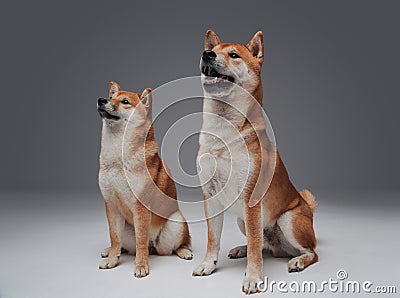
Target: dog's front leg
x,y
116,224
254,233
214,229
142,221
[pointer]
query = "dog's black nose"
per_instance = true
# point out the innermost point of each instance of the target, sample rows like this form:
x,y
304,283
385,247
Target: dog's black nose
x,y
101,101
209,55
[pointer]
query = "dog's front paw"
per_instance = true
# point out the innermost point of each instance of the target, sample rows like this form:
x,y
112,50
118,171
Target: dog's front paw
x,y
105,252
141,270
205,268
109,263
250,284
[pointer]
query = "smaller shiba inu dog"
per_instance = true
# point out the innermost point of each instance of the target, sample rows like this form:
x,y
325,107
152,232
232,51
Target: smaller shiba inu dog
x,y
130,170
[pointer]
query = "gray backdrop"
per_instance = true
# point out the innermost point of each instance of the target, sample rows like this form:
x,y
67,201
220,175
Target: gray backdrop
x,y
331,79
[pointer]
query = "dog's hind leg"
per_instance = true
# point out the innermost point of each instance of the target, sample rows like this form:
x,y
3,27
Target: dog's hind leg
x,y
128,242
174,237
106,251
297,228
241,250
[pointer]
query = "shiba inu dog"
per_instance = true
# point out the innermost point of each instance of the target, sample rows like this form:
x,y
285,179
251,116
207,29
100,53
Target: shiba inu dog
x,y
130,170
280,218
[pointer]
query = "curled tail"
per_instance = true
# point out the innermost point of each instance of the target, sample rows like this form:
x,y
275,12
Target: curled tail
x,y
309,198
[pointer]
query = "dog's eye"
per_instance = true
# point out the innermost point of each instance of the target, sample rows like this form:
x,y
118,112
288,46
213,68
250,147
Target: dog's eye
x,y
125,102
234,55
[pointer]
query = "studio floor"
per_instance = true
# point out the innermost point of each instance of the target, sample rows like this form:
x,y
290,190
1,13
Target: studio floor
x,y
52,249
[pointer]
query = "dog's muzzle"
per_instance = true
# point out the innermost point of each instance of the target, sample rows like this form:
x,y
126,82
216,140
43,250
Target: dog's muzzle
x,y
101,102
208,55
209,69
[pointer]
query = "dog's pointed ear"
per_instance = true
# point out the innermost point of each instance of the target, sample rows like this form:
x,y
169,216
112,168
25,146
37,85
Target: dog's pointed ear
x,y
146,98
256,46
211,40
114,87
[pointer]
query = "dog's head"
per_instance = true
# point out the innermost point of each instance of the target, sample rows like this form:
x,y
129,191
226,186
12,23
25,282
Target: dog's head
x,y
225,64
120,105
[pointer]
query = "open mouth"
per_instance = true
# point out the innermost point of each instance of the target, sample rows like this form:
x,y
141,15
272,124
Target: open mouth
x,y
104,114
213,76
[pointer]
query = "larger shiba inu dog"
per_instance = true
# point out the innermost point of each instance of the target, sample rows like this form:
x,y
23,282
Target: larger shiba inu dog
x,y
131,224
279,218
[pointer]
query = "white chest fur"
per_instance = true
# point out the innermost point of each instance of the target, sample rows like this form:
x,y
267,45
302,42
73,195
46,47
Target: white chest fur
x,y
224,163
112,177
